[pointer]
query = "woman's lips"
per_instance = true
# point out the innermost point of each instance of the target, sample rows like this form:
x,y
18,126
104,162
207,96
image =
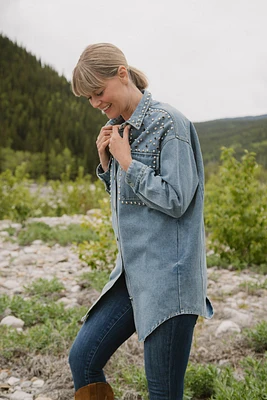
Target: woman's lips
x,y
106,109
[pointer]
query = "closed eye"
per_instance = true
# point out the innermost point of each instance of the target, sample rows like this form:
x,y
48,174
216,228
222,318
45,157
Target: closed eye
x,y
96,94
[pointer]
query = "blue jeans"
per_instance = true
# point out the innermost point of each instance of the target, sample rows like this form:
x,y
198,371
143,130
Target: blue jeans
x,y
110,323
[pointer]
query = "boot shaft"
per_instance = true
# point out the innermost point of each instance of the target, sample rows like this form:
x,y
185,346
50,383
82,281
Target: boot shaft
x,y
95,391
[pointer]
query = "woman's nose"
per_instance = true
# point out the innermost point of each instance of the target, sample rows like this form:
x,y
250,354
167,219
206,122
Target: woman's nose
x,y
95,102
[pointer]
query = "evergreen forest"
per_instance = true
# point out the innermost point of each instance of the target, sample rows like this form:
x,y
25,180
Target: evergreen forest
x,y
43,124
40,118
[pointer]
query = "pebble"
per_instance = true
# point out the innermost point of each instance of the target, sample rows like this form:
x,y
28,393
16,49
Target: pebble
x,y
226,327
3,375
10,284
4,264
13,381
12,322
38,383
20,395
42,398
26,384
75,288
241,318
4,234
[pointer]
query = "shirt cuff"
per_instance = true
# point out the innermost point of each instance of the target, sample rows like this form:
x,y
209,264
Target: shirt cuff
x,y
101,173
134,174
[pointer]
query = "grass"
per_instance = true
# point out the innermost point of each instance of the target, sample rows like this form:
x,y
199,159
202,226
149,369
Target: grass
x,y
43,288
209,382
11,231
200,381
257,337
95,279
253,288
214,260
48,329
131,377
35,311
63,235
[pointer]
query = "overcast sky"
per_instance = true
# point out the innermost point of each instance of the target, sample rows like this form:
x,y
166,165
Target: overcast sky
x,y
208,58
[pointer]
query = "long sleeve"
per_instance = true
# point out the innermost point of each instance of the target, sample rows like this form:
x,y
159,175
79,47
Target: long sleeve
x,y
104,176
172,191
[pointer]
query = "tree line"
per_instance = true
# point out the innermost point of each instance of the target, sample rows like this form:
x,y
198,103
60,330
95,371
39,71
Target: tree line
x,y
41,121
44,125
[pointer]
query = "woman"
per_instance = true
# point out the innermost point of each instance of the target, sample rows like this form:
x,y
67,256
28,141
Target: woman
x,y
151,164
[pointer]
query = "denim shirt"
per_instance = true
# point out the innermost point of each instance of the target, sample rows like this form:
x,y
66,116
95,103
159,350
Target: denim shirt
x,y
157,217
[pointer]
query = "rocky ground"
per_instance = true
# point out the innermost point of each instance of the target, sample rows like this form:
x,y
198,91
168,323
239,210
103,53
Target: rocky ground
x,y
219,340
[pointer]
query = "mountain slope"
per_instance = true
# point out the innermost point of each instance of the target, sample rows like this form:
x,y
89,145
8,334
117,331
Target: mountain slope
x,y
38,111
241,133
39,114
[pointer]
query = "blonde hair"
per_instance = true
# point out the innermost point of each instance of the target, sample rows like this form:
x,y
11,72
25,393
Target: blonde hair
x,y
100,62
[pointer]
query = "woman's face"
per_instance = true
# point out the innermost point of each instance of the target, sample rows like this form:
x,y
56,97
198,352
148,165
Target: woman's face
x,y
111,98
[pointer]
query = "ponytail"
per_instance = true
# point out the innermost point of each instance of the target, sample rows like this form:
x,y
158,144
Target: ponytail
x,y
138,78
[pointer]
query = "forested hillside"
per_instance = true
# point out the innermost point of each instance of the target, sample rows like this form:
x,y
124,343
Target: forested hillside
x,y
44,124
39,113
241,133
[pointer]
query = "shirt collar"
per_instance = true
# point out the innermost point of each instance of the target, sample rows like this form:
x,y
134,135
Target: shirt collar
x,y
138,115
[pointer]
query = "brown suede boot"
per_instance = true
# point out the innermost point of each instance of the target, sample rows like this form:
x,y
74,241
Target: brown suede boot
x,y
95,391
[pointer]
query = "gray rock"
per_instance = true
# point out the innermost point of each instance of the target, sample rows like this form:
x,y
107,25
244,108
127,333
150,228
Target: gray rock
x,y
42,398
72,305
24,259
37,383
16,226
4,264
5,224
10,284
30,250
227,326
242,318
37,242
75,289
25,384
3,376
66,301
4,234
6,253
20,395
12,321
12,381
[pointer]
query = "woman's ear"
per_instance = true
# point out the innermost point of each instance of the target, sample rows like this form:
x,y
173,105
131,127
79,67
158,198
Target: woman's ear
x,y
123,74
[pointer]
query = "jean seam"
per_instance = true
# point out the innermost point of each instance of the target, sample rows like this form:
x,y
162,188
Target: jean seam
x,y
169,359
87,367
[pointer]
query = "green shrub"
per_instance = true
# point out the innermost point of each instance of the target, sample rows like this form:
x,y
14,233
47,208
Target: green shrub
x,y
43,288
96,279
201,380
48,329
252,288
100,253
16,201
50,337
236,211
71,197
257,337
253,386
135,379
63,235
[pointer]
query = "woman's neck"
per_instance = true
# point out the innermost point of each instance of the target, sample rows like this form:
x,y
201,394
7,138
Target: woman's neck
x,y
134,98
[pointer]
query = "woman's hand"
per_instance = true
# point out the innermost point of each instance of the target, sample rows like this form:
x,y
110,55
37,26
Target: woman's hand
x,y
120,148
102,146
